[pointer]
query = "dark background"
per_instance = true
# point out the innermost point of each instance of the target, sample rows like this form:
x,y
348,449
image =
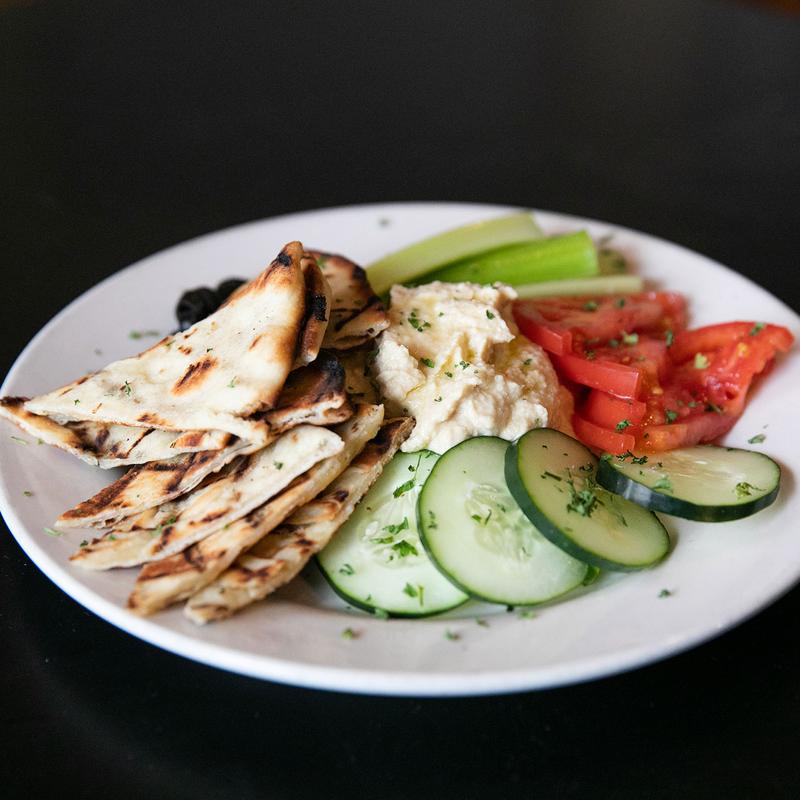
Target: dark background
x,y
127,127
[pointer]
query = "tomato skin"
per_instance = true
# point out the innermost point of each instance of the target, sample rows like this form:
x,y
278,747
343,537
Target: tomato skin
x,y
563,325
606,410
601,438
705,427
713,337
608,376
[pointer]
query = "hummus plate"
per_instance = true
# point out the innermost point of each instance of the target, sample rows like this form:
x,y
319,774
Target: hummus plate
x,y
718,576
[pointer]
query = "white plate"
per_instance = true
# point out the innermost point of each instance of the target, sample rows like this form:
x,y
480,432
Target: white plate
x,y
718,574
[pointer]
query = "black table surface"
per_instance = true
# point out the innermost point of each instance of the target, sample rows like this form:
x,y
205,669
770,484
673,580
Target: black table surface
x,y
128,127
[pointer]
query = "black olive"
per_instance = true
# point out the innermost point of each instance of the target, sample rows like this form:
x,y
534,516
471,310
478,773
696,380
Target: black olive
x,y
227,288
194,305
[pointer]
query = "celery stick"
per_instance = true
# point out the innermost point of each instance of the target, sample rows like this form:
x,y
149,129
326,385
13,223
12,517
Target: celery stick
x,y
602,284
414,261
558,257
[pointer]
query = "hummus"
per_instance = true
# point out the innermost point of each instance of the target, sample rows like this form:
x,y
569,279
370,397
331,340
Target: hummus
x,y
452,358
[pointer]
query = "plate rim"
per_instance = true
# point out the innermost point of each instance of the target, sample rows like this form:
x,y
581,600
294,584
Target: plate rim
x,y
356,679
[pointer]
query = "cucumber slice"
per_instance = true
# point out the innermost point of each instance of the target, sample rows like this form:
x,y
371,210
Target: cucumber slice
x,y
479,538
417,259
703,483
376,561
552,477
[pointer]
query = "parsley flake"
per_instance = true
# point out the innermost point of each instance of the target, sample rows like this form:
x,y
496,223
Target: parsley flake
x,y
449,374
700,361
622,424
630,338
669,337
452,636
404,548
663,483
127,388
489,314
232,384
437,399
380,613
620,302
51,532
670,415
757,439
428,362
403,488
757,328
743,490
714,407
482,622
28,493
432,520
400,526
20,440
613,343
347,569
665,593
527,362
349,633
526,613
590,305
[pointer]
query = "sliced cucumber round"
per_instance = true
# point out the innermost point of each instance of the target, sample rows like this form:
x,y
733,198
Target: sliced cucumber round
x,y
476,534
376,561
552,477
704,483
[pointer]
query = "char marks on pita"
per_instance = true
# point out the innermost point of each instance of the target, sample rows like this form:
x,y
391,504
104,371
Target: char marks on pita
x,y
318,305
106,445
161,583
357,313
214,376
277,558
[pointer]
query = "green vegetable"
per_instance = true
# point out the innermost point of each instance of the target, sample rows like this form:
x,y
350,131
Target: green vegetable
x,y
582,287
554,258
412,262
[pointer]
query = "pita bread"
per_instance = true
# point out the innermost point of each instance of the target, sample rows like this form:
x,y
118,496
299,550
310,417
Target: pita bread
x,y
357,313
163,582
318,305
314,395
280,556
249,483
214,376
107,446
357,381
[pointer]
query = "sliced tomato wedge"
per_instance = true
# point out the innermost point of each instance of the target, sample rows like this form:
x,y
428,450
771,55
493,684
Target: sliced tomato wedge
x,y
714,337
563,325
608,411
620,380
610,441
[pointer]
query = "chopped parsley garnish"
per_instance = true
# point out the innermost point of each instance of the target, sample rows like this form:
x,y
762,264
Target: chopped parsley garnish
x,y
349,633
437,399
613,342
400,526
547,474
142,334
410,590
19,440
621,425
84,543
127,388
620,302
428,362
757,439
590,354
582,502
463,364
404,548
51,532
415,322
403,488
670,415
28,493
449,374
77,402
111,537
663,483
700,361
432,520
482,622
452,636
714,407
630,338
381,613
527,362
743,490
665,593
278,464
590,305
489,314
669,337
526,613
757,328
347,569
232,384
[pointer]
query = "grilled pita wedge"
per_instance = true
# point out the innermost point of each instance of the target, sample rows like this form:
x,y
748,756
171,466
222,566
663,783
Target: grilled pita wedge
x,y
249,483
105,445
161,583
357,381
357,313
314,395
280,556
318,304
214,376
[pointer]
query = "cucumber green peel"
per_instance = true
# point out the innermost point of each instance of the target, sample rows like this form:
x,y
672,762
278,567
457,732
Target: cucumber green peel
x,y
418,259
554,258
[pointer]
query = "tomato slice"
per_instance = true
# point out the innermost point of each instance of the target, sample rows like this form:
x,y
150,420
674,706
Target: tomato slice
x,y
610,441
618,379
607,411
713,337
574,324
